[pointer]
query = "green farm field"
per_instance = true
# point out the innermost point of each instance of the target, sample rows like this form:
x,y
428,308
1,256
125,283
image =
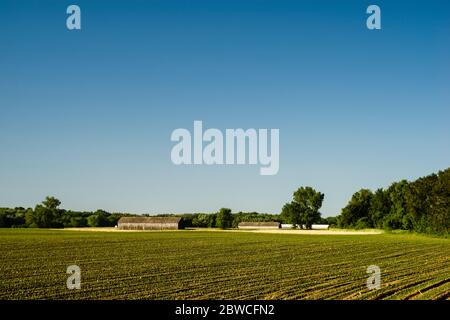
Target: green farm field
x,y
220,265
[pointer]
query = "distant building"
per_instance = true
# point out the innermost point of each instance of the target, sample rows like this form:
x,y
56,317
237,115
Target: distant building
x,y
320,226
150,223
313,227
259,225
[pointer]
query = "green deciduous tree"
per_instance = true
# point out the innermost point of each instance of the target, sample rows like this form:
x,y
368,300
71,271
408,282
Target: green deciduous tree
x,y
304,209
51,203
224,218
380,207
358,208
45,215
98,219
204,220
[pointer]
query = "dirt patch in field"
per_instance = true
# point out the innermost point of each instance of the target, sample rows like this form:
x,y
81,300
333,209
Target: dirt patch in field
x,y
102,229
277,231
320,232
298,231
112,229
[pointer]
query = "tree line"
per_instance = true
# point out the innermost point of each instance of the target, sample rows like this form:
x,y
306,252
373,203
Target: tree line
x,y
223,219
49,215
422,206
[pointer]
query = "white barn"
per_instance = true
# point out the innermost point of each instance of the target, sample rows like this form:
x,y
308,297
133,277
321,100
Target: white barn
x,y
320,226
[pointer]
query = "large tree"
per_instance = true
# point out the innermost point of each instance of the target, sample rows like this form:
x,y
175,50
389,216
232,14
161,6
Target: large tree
x,y
356,213
380,206
224,218
304,209
45,215
51,203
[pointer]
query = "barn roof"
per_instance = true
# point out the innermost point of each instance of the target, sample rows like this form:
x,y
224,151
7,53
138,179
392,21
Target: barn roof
x,y
149,220
259,224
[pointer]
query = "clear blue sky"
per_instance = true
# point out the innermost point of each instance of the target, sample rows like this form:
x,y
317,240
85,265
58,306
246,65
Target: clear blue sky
x,y
87,115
